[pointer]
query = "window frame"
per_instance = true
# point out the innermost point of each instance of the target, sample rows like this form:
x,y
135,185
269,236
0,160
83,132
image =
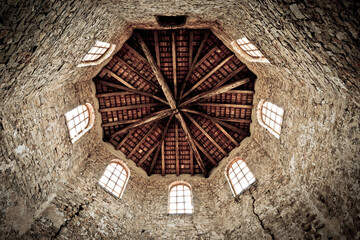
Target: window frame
x,y
244,54
91,118
127,171
103,57
261,121
227,169
185,184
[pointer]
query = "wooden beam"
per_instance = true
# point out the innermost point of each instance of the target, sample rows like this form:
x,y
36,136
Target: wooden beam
x,y
114,75
215,91
191,47
142,160
241,91
157,48
193,63
207,75
206,134
216,124
124,139
150,118
203,59
191,162
177,149
231,75
224,105
173,44
158,74
136,53
112,94
121,122
113,85
135,71
191,143
142,140
229,126
127,107
206,153
161,142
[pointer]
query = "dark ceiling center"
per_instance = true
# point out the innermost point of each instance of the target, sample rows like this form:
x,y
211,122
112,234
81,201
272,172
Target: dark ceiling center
x,y
175,101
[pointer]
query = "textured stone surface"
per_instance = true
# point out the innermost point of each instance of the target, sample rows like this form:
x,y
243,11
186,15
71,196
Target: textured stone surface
x,y
307,182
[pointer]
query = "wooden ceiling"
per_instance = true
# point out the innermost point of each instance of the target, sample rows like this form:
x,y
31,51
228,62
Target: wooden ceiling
x,y
175,101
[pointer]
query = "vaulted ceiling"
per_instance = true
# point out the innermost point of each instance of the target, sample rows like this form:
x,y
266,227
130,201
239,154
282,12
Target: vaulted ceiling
x,y
175,101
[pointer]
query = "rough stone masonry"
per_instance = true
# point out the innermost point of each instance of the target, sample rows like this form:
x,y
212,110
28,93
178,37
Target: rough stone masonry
x,y
307,182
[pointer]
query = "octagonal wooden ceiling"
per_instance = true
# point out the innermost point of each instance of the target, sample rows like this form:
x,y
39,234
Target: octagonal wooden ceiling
x,y
175,101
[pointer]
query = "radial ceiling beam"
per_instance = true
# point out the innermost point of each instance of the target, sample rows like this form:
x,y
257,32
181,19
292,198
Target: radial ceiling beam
x,y
150,118
177,149
113,85
231,75
191,143
193,63
125,139
206,134
198,83
217,120
157,48
127,107
161,143
136,53
173,48
143,140
114,75
121,122
147,154
157,72
206,153
215,91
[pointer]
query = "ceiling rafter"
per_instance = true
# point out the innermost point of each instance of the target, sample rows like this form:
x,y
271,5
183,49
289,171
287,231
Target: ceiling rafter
x,y
127,107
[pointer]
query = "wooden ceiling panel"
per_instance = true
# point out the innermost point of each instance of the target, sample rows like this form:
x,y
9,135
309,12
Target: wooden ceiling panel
x,y
175,101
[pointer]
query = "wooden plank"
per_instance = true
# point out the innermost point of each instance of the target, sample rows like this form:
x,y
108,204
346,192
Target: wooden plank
x,y
191,162
142,140
206,134
229,126
112,94
173,47
161,142
191,47
192,66
163,158
215,91
229,105
191,143
177,149
130,90
226,134
127,107
150,118
135,71
122,122
136,53
207,75
212,160
158,74
241,92
114,75
157,48
148,153
203,59
124,139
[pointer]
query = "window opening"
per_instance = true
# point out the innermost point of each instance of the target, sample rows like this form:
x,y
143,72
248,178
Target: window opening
x,y
239,176
180,198
97,54
270,116
79,120
115,178
249,48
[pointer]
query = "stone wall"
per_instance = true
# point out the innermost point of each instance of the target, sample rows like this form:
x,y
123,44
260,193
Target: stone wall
x,y
307,182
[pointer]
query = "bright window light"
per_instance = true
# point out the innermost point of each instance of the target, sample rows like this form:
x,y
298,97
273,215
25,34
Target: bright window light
x,y
249,48
114,178
270,116
180,199
79,120
239,176
97,51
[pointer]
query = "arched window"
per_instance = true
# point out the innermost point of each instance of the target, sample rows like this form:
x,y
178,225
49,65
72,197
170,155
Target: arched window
x,y
80,120
115,178
239,176
249,48
97,54
270,117
180,198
